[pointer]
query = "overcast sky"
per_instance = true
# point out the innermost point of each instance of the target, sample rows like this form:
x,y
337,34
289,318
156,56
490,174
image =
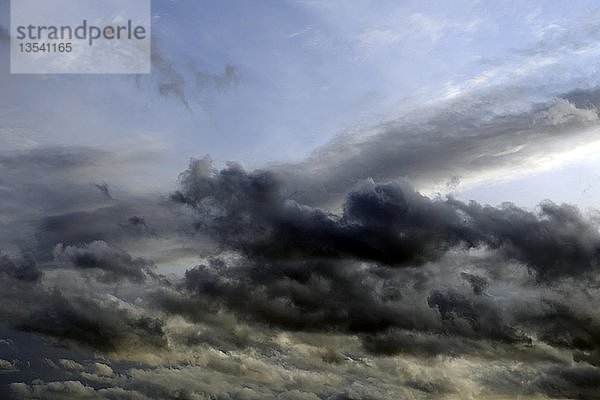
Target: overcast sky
x,y
309,200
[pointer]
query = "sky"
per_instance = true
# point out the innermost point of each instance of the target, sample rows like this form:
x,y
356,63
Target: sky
x,y
309,200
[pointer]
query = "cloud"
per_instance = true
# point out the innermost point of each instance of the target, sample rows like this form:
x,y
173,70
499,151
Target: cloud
x,y
47,197
206,80
288,300
563,112
113,264
104,189
477,136
332,278
98,324
390,224
103,369
70,364
24,270
71,390
401,272
6,365
40,182
54,158
172,82
190,86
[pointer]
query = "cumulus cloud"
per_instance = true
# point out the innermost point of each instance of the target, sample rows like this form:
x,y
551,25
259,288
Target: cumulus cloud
x,y
404,273
382,223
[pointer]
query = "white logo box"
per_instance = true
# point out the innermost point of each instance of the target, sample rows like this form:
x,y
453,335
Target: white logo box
x,y
80,36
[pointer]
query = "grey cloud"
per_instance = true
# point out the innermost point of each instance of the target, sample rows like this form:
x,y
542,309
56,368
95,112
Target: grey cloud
x,y
453,142
172,82
53,158
23,270
82,318
104,189
41,182
97,325
190,86
219,81
75,314
393,272
298,268
478,284
47,197
571,382
562,324
55,222
389,224
113,264
81,227
348,299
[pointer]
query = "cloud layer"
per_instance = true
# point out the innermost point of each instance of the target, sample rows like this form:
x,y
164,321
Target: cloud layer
x,y
395,294
334,278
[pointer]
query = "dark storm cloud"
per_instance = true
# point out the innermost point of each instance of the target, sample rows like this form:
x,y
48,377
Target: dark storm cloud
x,y
111,264
56,224
300,268
23,270
74,315
394,271
299,296
562,324
17,277
383,223
97,325
382,307
460,139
